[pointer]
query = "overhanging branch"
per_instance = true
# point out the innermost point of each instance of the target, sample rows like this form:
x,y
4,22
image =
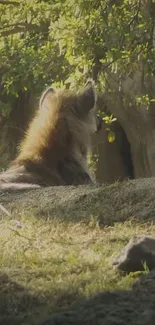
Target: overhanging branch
x,y
17,28
12,31
9,3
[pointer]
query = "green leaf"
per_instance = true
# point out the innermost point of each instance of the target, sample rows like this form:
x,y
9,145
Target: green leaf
x,y
111,136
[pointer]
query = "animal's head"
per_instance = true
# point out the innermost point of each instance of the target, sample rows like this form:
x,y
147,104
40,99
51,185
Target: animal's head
x,y
87,107
75,114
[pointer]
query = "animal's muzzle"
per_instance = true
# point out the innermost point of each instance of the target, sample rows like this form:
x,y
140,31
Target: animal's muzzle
x,y
99,122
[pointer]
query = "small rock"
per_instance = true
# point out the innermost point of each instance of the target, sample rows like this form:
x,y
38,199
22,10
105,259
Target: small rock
x,y
140,251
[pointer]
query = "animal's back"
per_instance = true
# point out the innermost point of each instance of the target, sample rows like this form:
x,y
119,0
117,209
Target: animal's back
x,y
54,150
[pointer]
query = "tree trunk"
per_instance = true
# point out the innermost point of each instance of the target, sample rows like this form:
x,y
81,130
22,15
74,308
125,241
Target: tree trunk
x,y
143,155
137,122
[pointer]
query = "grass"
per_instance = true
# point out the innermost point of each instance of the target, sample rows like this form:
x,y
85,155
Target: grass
x,y
58,263
49,263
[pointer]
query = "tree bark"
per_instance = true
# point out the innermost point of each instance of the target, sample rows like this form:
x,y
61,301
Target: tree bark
x,y
137,122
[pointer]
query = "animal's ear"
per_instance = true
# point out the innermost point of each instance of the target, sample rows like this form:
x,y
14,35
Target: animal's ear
x,y
45,98
87,97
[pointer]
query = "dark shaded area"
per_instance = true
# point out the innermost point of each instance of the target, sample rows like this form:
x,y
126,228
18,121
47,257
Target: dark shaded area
x,y
125,150
109,308
14,126
16,303
135,306
114,158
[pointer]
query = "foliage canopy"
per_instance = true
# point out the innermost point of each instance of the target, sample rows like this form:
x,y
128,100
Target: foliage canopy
x,y
44,42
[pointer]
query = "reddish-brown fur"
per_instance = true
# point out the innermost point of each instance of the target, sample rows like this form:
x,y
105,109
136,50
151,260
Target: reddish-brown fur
x,y
54,149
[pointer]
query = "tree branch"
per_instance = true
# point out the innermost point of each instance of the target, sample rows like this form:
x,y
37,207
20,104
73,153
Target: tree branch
x,y
17,28
9,3
12,31
13,25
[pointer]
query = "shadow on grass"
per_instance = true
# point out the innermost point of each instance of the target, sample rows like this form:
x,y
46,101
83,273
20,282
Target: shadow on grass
x,y
16,304
132,307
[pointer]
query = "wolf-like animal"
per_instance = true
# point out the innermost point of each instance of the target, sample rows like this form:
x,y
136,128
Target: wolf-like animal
x,y
55,147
